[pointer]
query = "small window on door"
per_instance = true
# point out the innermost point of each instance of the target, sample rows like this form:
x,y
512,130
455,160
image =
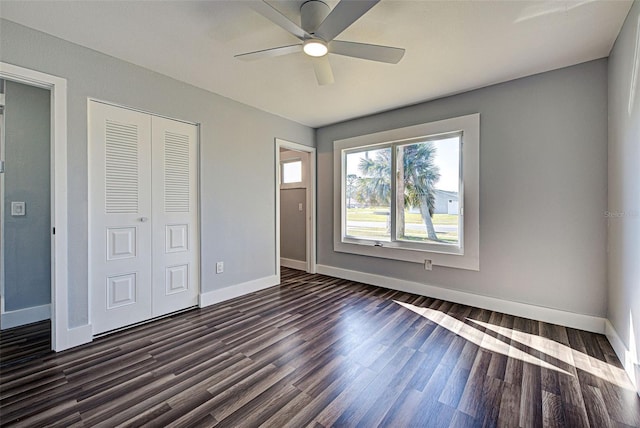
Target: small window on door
x,y
292,172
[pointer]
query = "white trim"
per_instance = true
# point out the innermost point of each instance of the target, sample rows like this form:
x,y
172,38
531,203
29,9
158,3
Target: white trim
x,y
626,357
25,316
311,203
554,316
59,258
101,101
2,208
293,264
216,296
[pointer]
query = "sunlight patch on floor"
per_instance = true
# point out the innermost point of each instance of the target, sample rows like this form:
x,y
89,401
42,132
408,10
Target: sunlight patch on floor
x,y
478,337
564,353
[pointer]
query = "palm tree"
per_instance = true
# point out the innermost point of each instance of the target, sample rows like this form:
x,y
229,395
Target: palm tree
x,y
352,180
375,187
420,176
416,176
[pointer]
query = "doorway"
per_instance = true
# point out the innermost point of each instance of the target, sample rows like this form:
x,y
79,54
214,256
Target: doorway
x,y
25,242
61,336
295,206
25,225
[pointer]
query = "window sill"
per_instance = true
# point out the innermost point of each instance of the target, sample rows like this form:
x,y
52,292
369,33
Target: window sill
x,y
459,261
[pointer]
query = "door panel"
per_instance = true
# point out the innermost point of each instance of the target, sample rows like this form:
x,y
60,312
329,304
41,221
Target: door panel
x,y
175,215
120,207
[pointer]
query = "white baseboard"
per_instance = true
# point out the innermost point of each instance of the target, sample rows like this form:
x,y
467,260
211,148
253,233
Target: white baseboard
x,y
627,358
554,316
25,316
227,293
293,264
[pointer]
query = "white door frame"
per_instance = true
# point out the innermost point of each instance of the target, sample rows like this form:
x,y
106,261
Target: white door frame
x,y
311,203
60,337
3,143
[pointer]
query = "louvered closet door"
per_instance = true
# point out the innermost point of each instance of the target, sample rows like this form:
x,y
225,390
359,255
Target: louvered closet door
x,y
175,221
120,216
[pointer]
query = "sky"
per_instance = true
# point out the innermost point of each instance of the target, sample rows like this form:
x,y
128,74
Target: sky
x,y
447,159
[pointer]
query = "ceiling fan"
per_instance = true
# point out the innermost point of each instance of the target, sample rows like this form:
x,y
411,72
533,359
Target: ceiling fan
x,y
319,26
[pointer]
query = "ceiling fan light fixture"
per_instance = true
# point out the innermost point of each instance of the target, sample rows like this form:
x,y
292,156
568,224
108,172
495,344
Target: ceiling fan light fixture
x,y
315,47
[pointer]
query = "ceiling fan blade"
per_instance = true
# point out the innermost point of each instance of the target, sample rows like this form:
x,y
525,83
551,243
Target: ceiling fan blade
x,y
343,15
324,74
378,53
274,15
269,53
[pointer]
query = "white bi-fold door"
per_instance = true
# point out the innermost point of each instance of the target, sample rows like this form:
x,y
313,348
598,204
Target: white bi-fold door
x,y
143,216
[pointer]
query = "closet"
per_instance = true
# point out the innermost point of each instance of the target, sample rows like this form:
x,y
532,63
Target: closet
x,y
143,216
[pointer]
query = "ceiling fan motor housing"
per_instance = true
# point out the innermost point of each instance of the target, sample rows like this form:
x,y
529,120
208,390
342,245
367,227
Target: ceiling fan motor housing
x,y
312,13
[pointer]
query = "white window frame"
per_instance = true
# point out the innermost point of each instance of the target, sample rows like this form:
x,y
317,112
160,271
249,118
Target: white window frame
x,y
294,184
464,256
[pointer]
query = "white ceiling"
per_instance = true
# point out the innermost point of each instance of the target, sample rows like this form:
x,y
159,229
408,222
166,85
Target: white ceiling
x,y
451,47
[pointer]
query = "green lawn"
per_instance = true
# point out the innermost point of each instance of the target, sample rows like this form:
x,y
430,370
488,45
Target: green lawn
x,y
378,215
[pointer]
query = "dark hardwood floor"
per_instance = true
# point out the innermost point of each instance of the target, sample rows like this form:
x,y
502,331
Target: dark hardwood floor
x,y
319,351
21,344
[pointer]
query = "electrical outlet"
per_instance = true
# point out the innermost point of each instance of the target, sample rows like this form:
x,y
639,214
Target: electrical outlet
x,y
219,267
428,265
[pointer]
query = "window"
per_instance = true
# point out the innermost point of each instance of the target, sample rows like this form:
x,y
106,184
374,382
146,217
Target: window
x,y
411,193
292,172
427,174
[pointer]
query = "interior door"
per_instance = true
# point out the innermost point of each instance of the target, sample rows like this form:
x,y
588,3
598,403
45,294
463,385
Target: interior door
x,y
175,215
120,216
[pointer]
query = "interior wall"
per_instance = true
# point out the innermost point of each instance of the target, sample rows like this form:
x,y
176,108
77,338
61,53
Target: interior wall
x,y
293,225
27,238
293,242
543,190
624,190
237,177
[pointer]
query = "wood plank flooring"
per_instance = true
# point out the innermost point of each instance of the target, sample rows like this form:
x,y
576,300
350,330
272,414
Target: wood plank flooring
x,y
318,351
21,344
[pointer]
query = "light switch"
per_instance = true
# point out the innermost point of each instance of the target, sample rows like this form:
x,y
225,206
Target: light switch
x,y
18,208
300,206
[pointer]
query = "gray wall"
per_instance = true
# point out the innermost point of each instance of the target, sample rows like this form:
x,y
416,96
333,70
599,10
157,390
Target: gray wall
x,y
293,232
237,155
27,239
543,187
624,184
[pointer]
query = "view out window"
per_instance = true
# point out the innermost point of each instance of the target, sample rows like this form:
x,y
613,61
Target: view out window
x,y
404,192
292,172
368,193
429,181
422,185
